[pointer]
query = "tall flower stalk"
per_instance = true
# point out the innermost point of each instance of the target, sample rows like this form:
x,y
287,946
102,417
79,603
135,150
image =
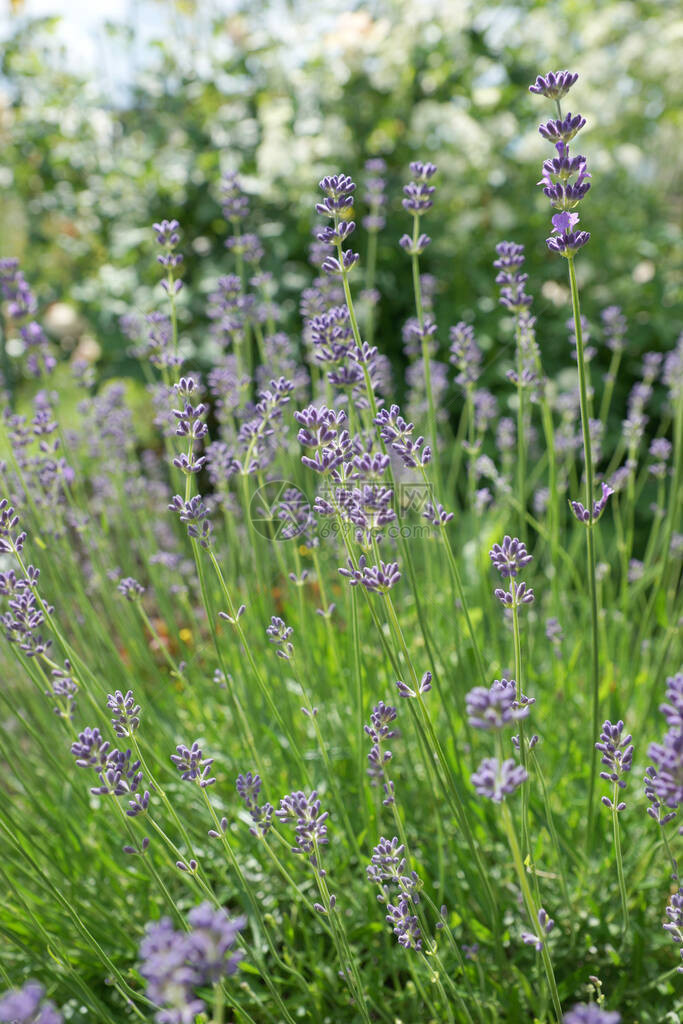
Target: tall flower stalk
x,y
418,199
565,183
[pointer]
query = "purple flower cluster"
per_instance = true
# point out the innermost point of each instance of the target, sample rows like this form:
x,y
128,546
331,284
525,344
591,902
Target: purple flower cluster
x,y
509,266
465,354
546,925
664,781
591,1013
28,1005
375,196
131,589
249,786
614,328
565,178
192,765
496,707
388,869
11,541
508,558
234,202
21,305
190,424
167,237
126,719
418,192
26,612
674,923
118,774
583,515
303,812
396,433
194,513
405,924
554,85
388,865
407,692
617,756
496,779
177,963
375,578
278,633
338,191
380,730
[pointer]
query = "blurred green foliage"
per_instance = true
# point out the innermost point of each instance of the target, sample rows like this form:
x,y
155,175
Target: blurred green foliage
x,y
286,92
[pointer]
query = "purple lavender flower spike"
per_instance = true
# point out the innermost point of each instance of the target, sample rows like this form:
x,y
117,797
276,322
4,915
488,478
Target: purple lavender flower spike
x,y
673,711
278,633
655,810
131,589
546,925
668,763
554,85
375,578
405,924
509,265
388,865
375,196
591,1013
510,556
615,327
127,713
234,202
211,940
562,129
338,189
90,750
167,237
418,193
674,924
465,354
309,823
582,514
406,691
617,756
564,240
194,513
28,1005
10,540
192,765
249,786
380,730
119,776
496,780
171,977
437,514
496,707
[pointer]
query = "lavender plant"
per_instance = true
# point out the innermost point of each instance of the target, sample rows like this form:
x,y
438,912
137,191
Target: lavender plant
x,y
251,563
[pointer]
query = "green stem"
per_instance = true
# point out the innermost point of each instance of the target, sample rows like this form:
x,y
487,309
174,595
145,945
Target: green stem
x,y
617,851
590,548
532,909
